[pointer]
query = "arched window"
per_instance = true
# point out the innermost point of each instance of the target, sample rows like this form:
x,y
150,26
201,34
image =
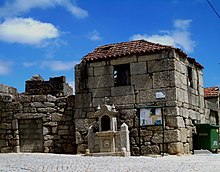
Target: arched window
x,y
105,123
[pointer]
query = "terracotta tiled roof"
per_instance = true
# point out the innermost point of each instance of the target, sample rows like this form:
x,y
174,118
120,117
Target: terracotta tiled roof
x,y
211,92
138,47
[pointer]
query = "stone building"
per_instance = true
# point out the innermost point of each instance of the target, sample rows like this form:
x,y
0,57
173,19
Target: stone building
x,y
157,90
211,96
39,120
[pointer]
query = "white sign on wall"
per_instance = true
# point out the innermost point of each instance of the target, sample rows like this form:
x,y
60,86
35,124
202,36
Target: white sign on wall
x,y
160,95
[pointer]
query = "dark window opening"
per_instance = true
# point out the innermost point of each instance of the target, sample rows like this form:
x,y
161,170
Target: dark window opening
x,y
122,75
190,76
105,123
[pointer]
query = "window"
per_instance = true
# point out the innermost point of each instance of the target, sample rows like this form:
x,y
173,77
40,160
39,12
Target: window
x,y
190,76
122,75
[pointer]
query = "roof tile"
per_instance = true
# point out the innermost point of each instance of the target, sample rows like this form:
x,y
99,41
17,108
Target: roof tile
x,y
211,92
139,47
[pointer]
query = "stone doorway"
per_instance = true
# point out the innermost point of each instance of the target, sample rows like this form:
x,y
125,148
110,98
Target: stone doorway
x,y
30,135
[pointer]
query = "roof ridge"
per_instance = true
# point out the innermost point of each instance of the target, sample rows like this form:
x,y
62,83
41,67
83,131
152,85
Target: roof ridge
x,y
138,40
211,87
138,47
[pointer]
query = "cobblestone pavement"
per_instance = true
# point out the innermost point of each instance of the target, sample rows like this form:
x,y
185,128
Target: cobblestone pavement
x,y
53,162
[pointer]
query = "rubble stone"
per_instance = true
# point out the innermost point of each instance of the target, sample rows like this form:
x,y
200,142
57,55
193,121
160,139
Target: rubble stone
x,y
46,108
175,148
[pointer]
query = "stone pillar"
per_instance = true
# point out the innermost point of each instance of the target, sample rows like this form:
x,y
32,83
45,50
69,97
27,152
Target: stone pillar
x,y
124,135
114,124
91,139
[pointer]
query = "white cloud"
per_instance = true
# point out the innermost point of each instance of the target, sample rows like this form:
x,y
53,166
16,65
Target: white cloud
x,y
178,37
29,64
162,39
182,24
95,36
5,67
19,7
76,11
27,31
54,65
57,65
183,39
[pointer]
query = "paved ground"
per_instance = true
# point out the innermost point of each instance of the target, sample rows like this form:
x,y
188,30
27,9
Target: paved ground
x,y
66,163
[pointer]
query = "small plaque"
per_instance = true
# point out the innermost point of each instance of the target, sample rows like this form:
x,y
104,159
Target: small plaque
x,y
160,95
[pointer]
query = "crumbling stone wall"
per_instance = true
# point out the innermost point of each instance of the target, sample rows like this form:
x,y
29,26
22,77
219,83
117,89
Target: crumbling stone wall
x,y
56,86
56,113
164,72
212,110
8,90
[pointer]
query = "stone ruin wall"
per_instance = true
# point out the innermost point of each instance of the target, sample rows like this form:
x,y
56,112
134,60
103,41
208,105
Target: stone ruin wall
x,y
56,86
8,90
212,110
55,112
164,72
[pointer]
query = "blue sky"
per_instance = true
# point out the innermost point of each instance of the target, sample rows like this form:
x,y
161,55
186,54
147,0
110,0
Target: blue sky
x,y
48,37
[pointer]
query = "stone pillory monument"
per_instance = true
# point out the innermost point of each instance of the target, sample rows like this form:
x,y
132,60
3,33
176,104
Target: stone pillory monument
x,y
137,98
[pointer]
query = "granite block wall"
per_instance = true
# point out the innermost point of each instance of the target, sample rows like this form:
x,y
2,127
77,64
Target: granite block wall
x,y
165,73
37,122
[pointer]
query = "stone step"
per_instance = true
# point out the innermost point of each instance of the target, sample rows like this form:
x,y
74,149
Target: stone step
x,y
202,152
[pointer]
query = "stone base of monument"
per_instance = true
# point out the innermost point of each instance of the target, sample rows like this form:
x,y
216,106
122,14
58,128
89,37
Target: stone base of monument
x,y
108,141
122,153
